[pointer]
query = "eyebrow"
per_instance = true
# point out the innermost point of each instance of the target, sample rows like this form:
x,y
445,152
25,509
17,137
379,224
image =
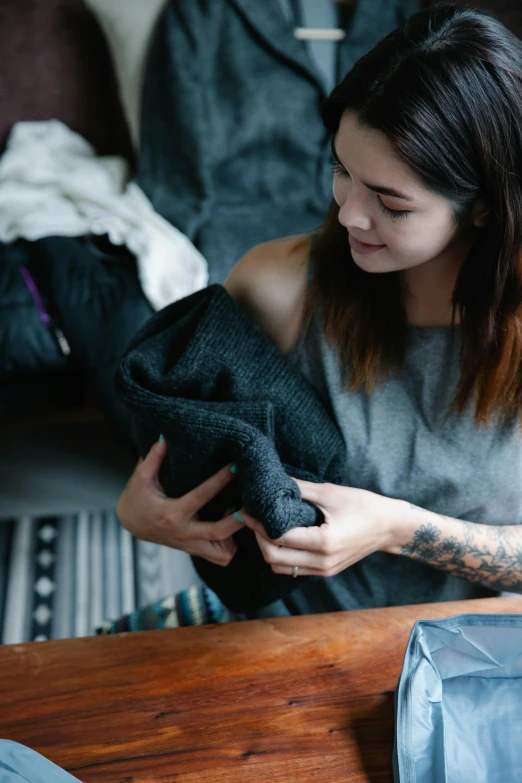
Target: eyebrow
x,y
384,191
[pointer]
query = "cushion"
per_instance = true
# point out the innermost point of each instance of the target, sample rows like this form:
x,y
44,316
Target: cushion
x,y
55,65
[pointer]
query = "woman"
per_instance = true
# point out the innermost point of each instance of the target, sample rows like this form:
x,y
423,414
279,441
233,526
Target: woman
x,y
406,313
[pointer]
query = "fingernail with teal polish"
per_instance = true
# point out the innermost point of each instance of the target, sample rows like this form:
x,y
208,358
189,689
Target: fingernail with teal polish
x,y
233,469
160,437
238,517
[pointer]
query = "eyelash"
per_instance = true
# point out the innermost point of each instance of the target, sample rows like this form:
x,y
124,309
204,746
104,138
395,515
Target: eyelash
x,y
394,214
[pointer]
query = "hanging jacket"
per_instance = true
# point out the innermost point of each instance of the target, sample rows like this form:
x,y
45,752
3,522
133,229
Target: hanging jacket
x,y
202,374
233,150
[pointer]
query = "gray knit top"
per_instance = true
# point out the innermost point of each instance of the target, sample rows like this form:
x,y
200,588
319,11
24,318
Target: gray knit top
x,y
401,444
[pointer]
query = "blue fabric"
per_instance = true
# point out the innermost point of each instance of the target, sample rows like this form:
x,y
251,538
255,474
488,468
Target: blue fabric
x,y
458,701
19,764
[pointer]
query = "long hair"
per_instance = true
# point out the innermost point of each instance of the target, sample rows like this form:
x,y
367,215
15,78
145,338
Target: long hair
x,y
446,90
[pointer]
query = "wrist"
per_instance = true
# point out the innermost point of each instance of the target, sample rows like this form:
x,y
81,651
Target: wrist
x,y
402,524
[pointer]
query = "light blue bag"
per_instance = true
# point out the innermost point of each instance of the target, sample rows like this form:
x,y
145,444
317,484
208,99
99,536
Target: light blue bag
x,y
458,704
19,764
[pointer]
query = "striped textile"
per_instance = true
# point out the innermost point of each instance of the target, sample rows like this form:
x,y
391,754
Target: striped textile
x,y
197,605
63,577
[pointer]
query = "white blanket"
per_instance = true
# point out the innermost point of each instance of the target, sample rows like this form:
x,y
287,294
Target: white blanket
x,y
52,183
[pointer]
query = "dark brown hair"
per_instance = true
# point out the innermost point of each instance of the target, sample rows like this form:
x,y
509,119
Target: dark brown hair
x,y
446,90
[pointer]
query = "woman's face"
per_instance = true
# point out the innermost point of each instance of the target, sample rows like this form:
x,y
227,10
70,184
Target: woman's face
x,y
382,204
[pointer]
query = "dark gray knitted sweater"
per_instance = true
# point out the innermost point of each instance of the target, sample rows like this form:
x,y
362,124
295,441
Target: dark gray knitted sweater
x,y
203,374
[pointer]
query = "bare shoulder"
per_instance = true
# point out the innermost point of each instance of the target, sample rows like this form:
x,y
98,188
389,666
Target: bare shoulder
x,y
269,281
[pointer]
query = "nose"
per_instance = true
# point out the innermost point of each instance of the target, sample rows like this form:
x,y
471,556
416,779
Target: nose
x,y
353,212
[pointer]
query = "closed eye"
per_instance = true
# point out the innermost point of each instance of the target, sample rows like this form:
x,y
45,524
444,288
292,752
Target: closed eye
x,y
394,214
339,171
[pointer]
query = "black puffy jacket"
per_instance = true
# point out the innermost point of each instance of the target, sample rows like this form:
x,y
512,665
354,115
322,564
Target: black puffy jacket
x,y
91,291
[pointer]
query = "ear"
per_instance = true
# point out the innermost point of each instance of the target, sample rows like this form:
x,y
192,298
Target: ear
x,y
480,213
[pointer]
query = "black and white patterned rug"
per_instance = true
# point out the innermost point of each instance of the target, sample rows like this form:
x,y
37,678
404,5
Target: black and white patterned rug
x,y
61,577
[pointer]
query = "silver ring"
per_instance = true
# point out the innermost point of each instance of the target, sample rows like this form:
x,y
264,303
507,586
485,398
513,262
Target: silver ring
x,y
295,569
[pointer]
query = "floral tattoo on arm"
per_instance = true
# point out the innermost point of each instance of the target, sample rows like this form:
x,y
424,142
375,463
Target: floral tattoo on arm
x,y
489,555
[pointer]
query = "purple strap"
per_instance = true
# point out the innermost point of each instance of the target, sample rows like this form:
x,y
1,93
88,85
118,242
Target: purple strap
x,y
45,318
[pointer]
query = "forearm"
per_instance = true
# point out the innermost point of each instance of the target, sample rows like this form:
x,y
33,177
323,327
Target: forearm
x,y
488,554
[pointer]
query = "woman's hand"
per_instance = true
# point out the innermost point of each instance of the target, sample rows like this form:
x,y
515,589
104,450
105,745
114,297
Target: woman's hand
x,y
146,512
357,523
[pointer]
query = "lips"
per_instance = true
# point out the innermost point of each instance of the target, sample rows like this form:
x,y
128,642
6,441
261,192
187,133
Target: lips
x,y
362,247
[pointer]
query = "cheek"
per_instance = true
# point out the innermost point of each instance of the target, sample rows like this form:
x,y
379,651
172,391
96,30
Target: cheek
x,y
417,236
401,234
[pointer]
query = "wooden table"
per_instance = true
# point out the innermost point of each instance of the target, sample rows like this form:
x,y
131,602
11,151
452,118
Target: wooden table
x,y
294,699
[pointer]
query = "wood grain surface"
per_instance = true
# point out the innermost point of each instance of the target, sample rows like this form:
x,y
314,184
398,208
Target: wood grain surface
x,y
293,699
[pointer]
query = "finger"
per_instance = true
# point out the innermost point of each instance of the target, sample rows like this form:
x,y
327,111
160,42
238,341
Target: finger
x,y
252,523
284,558
220,553
309,539
202,494
311,491
151,465
213,531
301,571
